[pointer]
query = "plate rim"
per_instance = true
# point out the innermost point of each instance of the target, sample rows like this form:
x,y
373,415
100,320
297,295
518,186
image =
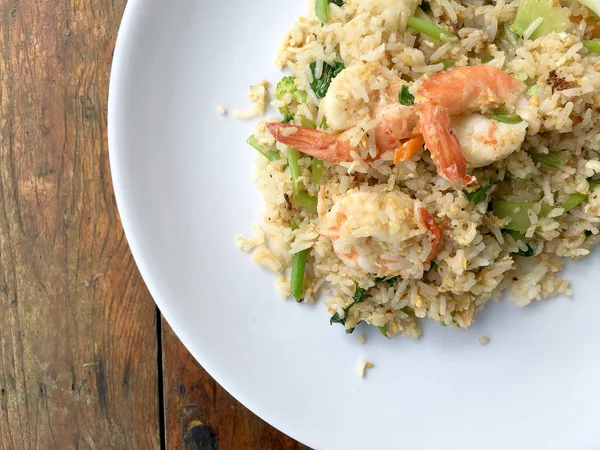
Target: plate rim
x,y
116,101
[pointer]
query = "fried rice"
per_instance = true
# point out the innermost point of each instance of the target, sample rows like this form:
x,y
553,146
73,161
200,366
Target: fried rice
x,y
367,208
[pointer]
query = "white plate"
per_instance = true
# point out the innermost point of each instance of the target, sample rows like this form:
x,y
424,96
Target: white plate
x,y
182,176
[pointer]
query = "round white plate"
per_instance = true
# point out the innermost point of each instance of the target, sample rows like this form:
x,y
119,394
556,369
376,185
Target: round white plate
x,y
182,176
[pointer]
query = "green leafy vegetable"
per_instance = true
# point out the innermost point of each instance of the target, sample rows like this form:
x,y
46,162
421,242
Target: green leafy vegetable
x,y
383,330
532,90
270,154
516,211
303,199
448,63
554,18
510,176
360,296
480,195
317,171
322,10
405,97
573,200
592,45
501,115
307,123
288,117
529,252
428,28
552,160
320,86
511,36
297,277
298,268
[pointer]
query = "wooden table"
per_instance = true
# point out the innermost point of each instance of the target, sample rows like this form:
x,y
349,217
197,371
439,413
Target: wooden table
x,y
86,361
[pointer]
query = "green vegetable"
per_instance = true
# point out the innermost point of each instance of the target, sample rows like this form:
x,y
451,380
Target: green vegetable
x,y
298,268
573,200
408,310
317,171
552,160
307,123
288,117
324,125
529,252
271,155
383,330
510,176
532,90
516,211
448,63
320,86
339,3
306,201
517,236
592,45
480,195
391,281
322,10
588,233
593,5
405,97
360,296
287,85
511,35
297,277
303,199
592,183
428,28
501,115
555,19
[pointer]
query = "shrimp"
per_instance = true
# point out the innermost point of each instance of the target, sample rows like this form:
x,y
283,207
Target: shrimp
x,y
456,135
381,233
395,124
360,93
458,91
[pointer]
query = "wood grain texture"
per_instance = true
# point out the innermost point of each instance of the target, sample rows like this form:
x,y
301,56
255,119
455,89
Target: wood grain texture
x,y
201,415
78,349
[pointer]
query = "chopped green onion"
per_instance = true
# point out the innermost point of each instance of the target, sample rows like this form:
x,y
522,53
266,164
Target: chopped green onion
x,y
322,10
324,125
405,97
271,155
552,160
288,117
430,29
339,3
480,195
511,35
592,45
573,200
383,330
320,86
317,171
592,183
532,90
448,63
500,115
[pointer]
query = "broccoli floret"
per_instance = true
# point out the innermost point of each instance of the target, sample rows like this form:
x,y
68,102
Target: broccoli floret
x,y
287,85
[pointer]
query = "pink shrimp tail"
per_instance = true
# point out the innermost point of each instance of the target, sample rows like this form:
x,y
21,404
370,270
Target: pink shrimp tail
x,y
319,144
443,145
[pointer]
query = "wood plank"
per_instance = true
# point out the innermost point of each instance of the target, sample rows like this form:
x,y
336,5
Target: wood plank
x,y
200,414
78,351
